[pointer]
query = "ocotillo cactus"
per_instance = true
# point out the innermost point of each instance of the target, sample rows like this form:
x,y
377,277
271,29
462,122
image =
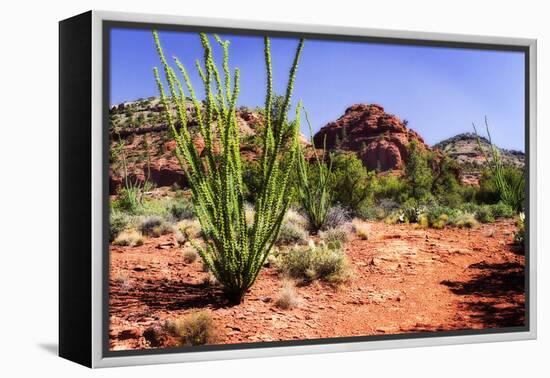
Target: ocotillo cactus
x,y
315,197
510,189
234,251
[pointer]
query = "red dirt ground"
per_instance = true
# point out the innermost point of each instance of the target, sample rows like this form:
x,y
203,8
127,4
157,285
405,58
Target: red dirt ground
x,y
406,280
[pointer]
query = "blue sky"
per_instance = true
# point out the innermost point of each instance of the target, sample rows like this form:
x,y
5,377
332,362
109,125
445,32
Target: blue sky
x,y
440,91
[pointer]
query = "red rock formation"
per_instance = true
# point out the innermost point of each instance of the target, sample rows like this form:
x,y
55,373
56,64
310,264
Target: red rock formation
x,y
380,139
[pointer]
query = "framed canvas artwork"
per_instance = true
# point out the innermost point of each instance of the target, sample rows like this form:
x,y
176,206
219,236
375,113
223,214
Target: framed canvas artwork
x,y
232,189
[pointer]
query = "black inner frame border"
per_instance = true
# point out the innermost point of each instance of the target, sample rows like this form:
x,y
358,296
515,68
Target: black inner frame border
x,y
108,25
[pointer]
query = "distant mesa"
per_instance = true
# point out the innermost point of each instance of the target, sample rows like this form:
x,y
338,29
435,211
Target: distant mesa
x,y
379,139
464,149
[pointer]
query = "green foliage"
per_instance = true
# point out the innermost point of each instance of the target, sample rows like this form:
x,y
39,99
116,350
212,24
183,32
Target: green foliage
x,y
445,186
118,222
181,209
418,173
234,251
484,214
314,185
391,187
351,184
322,261
509,184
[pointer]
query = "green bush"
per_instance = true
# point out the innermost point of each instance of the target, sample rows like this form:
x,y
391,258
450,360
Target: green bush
x,y
118,222
181,209
390,187
484,214
324,262
418,172
351,184
446,187
502,210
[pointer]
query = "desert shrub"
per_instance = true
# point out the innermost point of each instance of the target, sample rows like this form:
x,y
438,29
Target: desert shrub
x,y
418,173
118,222
465,220
196,328
181,209
438,216
361,228
351,184
390,188
189,228
322,261
368,212
484,214
234,250
189,255
519,234
130,238
337,217
502,210
335,235
445,186
379,210
154,226
286,297
292,233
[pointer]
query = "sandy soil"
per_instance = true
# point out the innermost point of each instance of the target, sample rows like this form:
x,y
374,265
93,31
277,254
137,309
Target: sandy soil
x,y
406,280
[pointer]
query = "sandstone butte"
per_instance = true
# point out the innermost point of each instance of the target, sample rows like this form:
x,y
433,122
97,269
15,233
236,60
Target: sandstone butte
x,y
379,139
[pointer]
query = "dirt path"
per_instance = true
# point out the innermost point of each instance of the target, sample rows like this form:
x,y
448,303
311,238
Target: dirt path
x,y
406,280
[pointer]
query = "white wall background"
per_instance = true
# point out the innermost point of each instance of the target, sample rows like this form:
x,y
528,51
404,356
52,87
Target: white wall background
x,y
28,185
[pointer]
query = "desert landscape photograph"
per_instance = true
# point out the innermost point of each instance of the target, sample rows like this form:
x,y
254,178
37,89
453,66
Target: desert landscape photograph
x,y
273,188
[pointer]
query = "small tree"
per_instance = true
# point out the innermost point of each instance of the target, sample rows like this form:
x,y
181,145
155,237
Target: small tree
x,y
510,187
418,172
351,183
314,184
234,251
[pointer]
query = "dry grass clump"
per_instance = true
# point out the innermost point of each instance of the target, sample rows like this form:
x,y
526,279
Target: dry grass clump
x,y
292,232
196,328
155,226
465,221
335,235
189,255
361,228
287,298
123,280
189,228
326,262
129,238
